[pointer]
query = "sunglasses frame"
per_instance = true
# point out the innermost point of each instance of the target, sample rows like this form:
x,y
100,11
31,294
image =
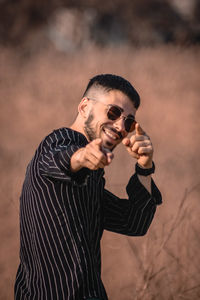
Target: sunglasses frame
x,y
117,117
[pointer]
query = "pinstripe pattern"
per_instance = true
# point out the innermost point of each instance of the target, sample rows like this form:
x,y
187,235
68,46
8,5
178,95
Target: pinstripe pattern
x,y
62,218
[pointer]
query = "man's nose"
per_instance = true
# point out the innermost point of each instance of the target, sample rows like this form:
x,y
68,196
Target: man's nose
x,y
119,125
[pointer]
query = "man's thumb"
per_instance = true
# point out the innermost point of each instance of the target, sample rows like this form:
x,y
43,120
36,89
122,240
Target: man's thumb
x,y
138,129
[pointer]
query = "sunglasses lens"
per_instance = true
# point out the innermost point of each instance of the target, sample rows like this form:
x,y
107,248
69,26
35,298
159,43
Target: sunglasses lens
x,y
114,113
129,124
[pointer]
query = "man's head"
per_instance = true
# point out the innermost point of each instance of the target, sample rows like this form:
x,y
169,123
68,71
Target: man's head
x,y
109,82
107,109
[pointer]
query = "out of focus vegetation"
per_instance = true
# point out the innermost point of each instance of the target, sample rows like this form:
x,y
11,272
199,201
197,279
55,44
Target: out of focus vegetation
x,y
71,24
48,52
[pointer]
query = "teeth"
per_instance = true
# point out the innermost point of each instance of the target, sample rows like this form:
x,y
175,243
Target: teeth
x,y
110,134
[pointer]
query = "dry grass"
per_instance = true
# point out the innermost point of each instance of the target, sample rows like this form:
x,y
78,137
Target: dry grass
x,y
41,92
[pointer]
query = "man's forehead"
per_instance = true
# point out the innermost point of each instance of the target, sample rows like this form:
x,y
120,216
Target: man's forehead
x,y
115,97
122,100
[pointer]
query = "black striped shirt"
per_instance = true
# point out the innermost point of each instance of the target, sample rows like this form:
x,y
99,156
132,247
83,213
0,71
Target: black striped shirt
x,y
62,218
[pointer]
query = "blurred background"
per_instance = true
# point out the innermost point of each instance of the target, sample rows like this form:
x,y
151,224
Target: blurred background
x,y
48,52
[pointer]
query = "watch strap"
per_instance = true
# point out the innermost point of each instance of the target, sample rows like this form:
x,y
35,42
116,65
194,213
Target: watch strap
x,y
144,172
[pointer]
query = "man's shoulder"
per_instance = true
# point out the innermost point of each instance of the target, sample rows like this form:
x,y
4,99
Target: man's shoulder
x,y
65,134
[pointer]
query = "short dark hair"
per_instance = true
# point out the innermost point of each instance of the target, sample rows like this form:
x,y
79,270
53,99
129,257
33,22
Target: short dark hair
x,y
114,82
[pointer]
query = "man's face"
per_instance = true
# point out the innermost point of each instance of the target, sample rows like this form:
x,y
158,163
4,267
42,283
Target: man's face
x,y
98,125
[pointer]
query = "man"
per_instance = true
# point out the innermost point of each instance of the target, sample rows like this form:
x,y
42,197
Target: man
x,y
64,206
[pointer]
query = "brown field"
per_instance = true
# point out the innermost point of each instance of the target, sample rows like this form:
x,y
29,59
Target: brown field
x,y
41,91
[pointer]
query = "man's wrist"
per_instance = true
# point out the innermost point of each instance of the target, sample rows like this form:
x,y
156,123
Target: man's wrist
x,y
144,171
76,162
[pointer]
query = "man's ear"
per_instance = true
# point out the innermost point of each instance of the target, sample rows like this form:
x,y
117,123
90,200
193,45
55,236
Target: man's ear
x,y
83,107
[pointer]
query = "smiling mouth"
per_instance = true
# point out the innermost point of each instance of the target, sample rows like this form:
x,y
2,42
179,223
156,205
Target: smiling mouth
x,y
111,134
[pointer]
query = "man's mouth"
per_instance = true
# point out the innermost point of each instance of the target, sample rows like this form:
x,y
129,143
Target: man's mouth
x,y
110,133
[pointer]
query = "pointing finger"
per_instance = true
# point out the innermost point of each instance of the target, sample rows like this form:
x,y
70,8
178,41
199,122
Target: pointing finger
x,y
109,157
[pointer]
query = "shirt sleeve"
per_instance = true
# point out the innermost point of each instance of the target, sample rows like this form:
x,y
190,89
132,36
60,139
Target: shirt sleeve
x,y
54,159
133,216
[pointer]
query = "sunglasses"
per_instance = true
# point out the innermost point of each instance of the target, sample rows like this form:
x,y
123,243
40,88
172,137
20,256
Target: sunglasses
x,y
114,113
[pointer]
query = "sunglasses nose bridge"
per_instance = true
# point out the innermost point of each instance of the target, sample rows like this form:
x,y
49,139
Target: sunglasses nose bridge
x,y
120,123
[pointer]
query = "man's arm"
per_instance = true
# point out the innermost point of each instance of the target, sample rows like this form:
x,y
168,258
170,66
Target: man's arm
x,y
132,217
140,147
55,153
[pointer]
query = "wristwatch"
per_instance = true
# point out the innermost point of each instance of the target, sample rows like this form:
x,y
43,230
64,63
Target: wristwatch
x,y
144,172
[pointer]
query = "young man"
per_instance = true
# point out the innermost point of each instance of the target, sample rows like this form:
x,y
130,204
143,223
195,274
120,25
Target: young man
x,y
64,206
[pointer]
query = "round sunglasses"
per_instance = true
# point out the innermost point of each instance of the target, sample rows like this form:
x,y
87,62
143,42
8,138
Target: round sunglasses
x,y
114,113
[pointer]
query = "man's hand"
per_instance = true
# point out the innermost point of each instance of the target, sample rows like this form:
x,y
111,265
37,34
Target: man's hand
x,y
93,156
140,147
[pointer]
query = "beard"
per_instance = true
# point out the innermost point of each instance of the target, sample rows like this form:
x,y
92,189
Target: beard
x,y
91,133
89,130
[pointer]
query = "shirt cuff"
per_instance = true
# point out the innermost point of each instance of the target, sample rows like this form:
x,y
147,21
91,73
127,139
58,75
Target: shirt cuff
x,y
137,191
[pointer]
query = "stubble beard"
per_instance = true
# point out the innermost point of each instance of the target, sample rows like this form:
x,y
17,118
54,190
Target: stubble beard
x,y
89,131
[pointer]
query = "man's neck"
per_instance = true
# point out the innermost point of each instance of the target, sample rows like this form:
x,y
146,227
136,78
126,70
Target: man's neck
x,y
77,127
